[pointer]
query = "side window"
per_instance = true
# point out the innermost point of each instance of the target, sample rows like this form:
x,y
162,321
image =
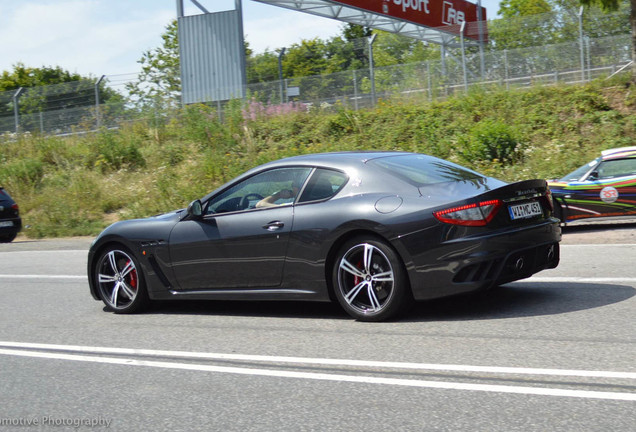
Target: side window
x,y
617,168
270,188
323,184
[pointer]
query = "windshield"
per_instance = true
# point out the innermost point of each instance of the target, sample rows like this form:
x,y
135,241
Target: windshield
x,y
580,172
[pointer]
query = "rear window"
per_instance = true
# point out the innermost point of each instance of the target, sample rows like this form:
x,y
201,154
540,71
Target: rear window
x,y
422,170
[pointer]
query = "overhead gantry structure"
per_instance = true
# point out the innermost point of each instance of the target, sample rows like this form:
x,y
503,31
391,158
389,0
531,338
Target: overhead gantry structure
x,y
435,21
212,44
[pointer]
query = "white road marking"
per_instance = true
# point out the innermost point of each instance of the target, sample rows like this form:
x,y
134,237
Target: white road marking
x,y
34,276
591,245
49,251
318,361
27,351
579,279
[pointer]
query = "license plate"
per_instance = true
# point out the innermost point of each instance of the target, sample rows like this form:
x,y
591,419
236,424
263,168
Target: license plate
x,y
6,224
524,211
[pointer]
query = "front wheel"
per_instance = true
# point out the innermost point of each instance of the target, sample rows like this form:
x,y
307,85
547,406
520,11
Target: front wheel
x,y
120,281
370,281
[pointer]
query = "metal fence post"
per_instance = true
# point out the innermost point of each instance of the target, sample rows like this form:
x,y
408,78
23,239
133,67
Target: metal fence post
x,y
280,73
443,56
97,111
461,41
371,68
482,66
589,68
428,79
581,44
219,108
355,90
16,108
506,72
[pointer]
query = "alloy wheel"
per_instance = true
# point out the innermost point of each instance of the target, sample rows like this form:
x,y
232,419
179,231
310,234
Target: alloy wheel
x,y
366,279
118,279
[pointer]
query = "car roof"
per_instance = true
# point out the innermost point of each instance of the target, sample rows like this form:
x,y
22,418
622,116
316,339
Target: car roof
x,y
336,159
618,153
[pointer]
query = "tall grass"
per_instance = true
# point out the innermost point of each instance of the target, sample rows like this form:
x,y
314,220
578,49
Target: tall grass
x,y
77,185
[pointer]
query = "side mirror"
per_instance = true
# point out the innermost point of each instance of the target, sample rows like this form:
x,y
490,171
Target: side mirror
x,y
593,176
195,209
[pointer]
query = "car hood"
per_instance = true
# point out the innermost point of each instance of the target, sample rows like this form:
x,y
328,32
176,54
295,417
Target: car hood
x,y
152,228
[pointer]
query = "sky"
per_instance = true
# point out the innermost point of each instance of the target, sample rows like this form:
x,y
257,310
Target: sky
x,y
108,37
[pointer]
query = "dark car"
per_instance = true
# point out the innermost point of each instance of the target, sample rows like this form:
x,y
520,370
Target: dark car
x,y
10,222
603,188
373,230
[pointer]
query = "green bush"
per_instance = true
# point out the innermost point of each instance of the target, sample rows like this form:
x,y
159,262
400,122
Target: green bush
x,y
21,174
112,152
200,124
491,140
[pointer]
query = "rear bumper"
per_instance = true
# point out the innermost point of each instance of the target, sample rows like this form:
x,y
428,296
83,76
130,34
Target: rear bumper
x,y
14,228
478,263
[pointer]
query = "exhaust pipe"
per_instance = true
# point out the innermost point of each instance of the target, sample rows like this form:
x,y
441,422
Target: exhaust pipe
x,y
551,253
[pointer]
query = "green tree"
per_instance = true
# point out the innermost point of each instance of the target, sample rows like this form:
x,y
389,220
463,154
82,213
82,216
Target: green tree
x,y
309,57
159,83
511,8
261,67
347,51
392,49
351,32
613,5
23,76
51,89
524,23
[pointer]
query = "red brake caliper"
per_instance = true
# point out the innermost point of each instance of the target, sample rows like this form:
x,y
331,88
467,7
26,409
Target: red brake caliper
x,y
133,277
358,279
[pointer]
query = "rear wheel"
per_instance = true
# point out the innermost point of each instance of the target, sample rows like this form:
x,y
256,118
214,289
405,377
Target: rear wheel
x,y
370,281
120,281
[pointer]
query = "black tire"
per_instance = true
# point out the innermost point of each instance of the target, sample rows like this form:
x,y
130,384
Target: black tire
x,y
120,281
370,281
8,238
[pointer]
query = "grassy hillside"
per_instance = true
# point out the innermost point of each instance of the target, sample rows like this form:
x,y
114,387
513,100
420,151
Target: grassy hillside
x,y
78,185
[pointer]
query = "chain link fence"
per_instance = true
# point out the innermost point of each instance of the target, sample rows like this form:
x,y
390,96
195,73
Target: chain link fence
x,y
582,46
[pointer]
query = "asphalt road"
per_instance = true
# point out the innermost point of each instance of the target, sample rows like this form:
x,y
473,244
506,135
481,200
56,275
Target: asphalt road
x,y
555,352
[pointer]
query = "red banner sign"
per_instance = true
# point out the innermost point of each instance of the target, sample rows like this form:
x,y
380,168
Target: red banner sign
x,y
446,15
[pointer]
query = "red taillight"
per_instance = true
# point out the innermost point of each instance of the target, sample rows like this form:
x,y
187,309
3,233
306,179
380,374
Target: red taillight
x,y
476,214
549,199
14,206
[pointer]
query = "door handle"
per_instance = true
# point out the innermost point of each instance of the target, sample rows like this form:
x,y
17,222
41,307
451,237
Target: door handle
x,y
273,226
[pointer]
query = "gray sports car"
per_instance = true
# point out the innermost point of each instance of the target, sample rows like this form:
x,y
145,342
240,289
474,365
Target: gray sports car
x,y
374,230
